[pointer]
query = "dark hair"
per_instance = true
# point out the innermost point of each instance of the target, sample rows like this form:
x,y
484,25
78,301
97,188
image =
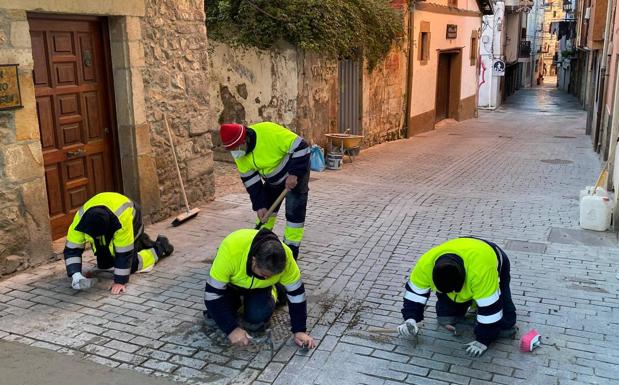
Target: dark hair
x,y
271,256
448,274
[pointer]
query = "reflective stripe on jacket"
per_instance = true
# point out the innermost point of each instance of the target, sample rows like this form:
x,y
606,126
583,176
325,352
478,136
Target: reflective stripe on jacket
x,y
121,244
481,283
278,153
232,266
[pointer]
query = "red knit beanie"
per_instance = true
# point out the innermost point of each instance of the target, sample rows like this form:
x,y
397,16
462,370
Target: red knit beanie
x,y
232,135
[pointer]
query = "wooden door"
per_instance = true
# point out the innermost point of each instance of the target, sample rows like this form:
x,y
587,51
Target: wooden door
x,y
75,114
443,86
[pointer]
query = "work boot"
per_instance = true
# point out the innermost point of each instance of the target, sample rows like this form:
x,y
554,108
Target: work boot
x,y
163,247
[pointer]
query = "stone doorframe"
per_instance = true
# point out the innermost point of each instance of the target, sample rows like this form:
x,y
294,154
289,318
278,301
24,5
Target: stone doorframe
x,y
139,172
137,160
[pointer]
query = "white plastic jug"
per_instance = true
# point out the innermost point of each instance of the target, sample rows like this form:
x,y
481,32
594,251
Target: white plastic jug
x,y
595,212
589,190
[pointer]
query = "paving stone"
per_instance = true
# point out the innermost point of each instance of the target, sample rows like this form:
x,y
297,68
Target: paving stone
x,y
366,226
161,366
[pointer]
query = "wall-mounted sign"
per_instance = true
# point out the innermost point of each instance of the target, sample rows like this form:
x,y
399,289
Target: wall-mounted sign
x,y
10,96
498,68
452,31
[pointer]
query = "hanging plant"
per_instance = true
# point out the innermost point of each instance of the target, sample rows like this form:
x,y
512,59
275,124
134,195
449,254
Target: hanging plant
x,y
352,29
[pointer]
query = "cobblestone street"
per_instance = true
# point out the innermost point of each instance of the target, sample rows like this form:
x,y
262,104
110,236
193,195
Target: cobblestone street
x,y
511,176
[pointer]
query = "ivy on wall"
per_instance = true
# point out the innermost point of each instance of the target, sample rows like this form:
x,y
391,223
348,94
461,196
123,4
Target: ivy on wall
x,y
352,29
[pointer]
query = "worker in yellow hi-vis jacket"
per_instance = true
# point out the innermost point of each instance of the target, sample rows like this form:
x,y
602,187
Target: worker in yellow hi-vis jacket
x,y
112,224
462,271
271,158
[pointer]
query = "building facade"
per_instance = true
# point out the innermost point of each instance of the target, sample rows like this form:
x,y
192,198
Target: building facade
x,y
96,79
444,64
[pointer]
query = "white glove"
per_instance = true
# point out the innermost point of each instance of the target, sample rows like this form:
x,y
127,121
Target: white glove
x,y
79,282
408,328
475,348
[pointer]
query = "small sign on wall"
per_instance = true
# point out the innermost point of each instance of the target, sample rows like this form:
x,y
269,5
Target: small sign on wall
x,y
498,68
452,31
10,95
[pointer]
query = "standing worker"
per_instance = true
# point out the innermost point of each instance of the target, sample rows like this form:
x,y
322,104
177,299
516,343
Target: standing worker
x,y
271,158
248,264
112,224
462,271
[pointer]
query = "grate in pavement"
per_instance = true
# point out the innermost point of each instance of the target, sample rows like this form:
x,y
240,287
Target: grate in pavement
x,y
557,161
564,137
506,137
525,246
583,237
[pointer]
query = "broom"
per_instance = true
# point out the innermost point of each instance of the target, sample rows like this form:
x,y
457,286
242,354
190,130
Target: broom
x,y
191,213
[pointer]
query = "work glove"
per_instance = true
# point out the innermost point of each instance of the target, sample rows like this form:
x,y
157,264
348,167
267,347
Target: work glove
x,y
475,348
79,282
408,328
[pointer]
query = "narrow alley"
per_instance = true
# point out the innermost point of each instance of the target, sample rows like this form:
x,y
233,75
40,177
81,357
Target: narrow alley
x,y
511,176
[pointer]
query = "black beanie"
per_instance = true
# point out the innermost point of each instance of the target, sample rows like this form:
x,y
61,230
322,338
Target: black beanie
x,y
448,273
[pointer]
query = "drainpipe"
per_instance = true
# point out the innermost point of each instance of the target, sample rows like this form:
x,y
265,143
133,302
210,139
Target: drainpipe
x,y
604,71
411,60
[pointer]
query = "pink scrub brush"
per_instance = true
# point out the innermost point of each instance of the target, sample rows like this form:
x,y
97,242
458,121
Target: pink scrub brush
x,y
530,341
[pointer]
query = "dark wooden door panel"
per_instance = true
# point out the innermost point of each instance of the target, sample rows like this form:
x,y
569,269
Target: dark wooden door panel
x,y
442,87
75,117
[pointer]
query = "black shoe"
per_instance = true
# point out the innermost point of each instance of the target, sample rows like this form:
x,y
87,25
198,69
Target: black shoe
x,y
163,247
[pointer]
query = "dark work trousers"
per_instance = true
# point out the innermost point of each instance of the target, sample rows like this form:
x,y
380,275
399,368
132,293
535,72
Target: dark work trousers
x,y
258,305
296,205
445,307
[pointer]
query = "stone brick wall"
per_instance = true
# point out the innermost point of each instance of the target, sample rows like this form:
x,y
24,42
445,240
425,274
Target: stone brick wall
x,y
300,91
175,83
384,99
24,224
251,85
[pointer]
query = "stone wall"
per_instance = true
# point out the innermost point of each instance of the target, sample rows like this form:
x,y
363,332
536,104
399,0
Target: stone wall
x,y
317,98
175,83
300,91
25,238
384,98
251,85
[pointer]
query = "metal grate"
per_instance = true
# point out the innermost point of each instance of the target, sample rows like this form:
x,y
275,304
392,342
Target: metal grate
x,y
350,97
525,246
557,161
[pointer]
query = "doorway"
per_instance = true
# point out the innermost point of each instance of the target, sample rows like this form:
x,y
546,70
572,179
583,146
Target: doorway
x,y
448,85
76,114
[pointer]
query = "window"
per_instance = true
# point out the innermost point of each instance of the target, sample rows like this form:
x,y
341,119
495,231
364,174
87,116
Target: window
x,y
474,47
453,3
424,42
554,14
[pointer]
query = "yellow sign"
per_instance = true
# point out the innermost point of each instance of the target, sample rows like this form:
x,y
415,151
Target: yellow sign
x,y
10,96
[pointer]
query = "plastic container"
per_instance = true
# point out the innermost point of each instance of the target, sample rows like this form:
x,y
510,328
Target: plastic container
x,y
589,191
334,160
595,212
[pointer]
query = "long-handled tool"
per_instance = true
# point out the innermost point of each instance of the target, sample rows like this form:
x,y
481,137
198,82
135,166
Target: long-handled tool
x,y
279,200
191,213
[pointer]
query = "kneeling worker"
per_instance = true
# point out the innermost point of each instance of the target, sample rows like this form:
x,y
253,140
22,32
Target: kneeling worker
x,y
461,271
247,266
112,224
